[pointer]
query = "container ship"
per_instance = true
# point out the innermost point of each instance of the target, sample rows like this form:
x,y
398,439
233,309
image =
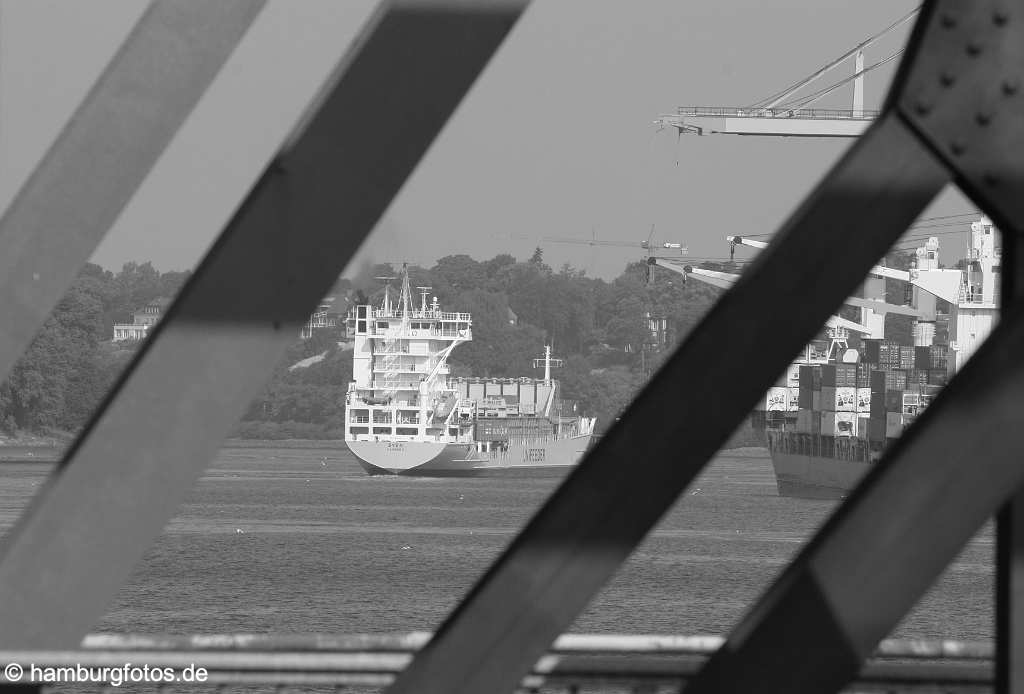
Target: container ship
x,y
406,415
836,410
833,412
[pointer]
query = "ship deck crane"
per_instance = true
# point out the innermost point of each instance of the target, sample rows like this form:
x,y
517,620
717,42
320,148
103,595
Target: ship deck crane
x,y
931,280
788,113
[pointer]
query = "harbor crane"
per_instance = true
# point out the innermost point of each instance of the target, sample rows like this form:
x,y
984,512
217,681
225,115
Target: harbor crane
x,y
970,293
789,112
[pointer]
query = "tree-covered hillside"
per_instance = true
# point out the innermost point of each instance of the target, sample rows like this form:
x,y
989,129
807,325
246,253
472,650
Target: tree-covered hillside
x,y
600,329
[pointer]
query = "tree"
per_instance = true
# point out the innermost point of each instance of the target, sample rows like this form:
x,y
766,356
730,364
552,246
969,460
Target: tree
x,y
538,256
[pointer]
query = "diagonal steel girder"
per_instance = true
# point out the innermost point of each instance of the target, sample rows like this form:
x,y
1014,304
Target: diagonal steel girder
x,y
142,451
602,511
960,462
102,155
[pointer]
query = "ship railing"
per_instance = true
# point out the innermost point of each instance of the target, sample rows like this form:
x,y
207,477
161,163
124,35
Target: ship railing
x,y
803,113
575,662
399,314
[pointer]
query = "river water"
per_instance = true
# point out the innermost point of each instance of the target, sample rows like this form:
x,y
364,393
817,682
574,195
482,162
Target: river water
x,y
277,539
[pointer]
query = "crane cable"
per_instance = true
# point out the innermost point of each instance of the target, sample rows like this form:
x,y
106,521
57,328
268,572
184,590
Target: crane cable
x,y
807,100
770,101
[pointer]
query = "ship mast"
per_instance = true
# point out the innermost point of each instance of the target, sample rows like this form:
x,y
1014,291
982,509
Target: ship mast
x,y
547,362
386,304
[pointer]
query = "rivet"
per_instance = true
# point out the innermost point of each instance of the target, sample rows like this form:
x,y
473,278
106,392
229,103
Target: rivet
x,y
983,117
973,49
946,79
1000,17
1010,86
989,179
957,147
947,21
923,108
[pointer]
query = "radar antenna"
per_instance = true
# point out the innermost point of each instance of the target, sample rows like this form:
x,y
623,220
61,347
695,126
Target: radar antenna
x,y
424,293
547,362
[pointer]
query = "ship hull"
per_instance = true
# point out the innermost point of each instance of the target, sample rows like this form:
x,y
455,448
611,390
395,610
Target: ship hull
x,y
429,459
816,476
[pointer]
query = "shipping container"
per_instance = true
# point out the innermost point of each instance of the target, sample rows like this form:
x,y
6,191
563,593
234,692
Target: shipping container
x,y
932,357
863,399
807,377
806,401
793,404
895,380
876,429
777,399
877,409
828,376
894,400
839,375
838,424
937,377
862,427
839,399
906,357
793,375
870,351
816,400
805,422
893,424
877,382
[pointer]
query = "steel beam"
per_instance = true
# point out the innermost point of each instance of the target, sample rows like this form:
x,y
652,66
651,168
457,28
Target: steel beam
x,y
1009,675
607,505
959,462
102,155
874,559
141,453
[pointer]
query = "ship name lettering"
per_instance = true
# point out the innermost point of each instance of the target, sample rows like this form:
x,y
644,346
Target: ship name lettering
x,y
396,446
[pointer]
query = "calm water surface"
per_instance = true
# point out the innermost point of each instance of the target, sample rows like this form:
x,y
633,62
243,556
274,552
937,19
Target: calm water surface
x,y
300,540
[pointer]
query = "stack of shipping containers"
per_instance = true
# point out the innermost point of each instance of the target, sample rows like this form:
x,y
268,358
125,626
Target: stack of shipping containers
x,y
873,399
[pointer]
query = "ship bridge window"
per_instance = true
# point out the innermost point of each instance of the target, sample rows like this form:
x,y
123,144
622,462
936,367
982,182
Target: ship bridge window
x,y
382,325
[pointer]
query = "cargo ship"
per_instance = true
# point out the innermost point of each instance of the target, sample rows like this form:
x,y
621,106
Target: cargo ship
x,y
406,415
835,410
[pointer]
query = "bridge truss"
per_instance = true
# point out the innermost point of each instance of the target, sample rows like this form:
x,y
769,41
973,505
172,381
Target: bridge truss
x,y
955,114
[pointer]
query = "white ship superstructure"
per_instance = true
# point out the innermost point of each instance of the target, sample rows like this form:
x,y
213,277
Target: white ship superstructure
x,y
399,389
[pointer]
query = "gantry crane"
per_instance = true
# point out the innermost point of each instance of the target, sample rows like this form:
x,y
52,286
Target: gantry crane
x,y
931,281
788,113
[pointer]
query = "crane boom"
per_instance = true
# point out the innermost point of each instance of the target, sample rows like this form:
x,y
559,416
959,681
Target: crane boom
x,y
786,115
877,270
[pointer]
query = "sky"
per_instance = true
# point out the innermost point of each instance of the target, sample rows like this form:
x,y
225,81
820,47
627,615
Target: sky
x,y
555,140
